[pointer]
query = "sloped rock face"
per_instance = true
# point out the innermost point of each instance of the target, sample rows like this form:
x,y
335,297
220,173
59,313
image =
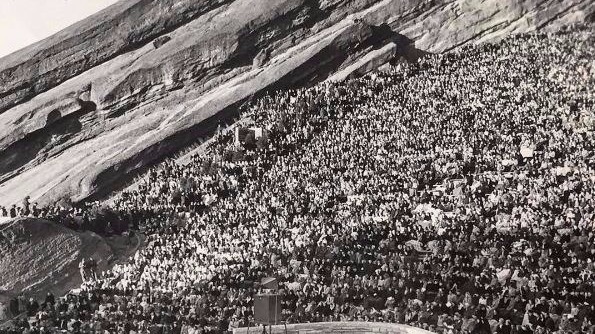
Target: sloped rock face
x,y
86,108
123,27
41,256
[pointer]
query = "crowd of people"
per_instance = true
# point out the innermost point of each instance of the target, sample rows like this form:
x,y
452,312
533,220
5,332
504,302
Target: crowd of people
x,y
93,216
455,194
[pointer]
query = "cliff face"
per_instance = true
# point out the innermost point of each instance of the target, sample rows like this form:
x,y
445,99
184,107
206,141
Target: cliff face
x,y
44,257
86,108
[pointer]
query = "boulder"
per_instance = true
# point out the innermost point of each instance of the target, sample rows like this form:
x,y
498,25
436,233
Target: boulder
x,y
39,256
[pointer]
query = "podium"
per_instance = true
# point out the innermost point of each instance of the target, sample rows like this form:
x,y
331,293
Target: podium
x,y
267,309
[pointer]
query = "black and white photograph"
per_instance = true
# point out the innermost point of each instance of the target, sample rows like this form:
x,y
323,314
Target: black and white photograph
x,y
297,166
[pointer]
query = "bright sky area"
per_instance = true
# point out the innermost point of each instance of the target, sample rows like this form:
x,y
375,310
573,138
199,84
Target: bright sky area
x,y
23,22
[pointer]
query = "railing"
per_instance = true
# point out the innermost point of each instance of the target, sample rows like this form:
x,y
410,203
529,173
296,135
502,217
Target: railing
x,y
359,327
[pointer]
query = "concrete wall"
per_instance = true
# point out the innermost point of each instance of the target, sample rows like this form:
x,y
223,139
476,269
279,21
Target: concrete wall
x,y
336,327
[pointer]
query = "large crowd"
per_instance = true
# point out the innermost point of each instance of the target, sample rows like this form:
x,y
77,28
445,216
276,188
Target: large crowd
x,y
455,194
93,216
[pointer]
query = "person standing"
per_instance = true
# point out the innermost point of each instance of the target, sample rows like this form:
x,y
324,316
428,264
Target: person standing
x,y
49,299
92,268
83,269
3,312
13,306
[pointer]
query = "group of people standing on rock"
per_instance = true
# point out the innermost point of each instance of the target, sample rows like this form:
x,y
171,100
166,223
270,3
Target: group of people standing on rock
x,y
456,194
21,305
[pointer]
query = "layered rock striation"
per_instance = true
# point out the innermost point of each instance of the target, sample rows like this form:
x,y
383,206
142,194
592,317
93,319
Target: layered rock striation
x,y
87,108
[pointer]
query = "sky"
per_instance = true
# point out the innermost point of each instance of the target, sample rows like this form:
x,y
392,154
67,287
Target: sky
x,y
23,22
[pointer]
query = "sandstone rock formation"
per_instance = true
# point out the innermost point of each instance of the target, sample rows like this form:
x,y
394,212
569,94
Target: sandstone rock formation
x,y
39,256
83,110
